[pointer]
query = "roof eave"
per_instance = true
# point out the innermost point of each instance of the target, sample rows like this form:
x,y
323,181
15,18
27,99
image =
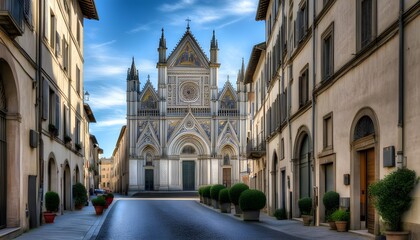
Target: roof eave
x,y
88,8
253,61
262,10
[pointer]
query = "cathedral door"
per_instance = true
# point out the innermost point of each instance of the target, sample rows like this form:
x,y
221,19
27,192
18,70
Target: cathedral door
x,y
148,185
188,175
227,177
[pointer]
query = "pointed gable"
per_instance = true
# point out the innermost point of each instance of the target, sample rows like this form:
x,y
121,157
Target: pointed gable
x,y
188,53
228,97
148,97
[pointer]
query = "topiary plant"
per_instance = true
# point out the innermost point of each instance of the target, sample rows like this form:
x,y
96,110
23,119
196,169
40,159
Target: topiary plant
x,y
224,196
200,190
391,196
110,195
79,194
52,201
305,205
206,191
252,200
99,201
280,214
331,202
214,191
235,191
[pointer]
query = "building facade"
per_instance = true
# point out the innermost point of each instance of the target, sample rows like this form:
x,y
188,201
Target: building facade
x,y
43,121
186,133
333,92
120,166
106,173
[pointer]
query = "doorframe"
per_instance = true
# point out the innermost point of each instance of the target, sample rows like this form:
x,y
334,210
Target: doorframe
x,y
364,143
181,177
153,176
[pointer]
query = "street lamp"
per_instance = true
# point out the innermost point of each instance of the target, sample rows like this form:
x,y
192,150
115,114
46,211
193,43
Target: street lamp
x,y
87,95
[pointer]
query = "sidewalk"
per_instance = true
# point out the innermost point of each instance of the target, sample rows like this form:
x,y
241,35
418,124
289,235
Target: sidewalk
x,y
296,228
77,224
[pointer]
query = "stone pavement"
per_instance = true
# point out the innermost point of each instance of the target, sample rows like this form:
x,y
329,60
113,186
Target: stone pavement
x,y
84,224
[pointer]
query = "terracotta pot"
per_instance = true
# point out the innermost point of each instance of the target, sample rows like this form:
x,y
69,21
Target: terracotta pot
x,y
332,226
99,209
251,215
215,204
225,207
109,200
397,235
49,217
78,206
341,226
307,219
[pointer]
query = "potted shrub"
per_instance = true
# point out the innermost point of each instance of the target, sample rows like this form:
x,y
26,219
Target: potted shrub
x,y
53,130
78,146
392,198
224,201
67,139
214,194
251,202
234,193
99,204
109,198
52,201
280,214
305,207
331,202
79,195
206,195
341,218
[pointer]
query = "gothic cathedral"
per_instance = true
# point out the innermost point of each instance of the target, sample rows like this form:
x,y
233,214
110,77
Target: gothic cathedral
x,y
188,133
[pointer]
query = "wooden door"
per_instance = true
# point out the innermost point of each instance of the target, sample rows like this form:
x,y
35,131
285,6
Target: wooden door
x,y
367,177
188,175
148,178
227,177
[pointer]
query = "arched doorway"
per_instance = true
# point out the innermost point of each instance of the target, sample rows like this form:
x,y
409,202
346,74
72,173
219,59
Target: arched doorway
x,y
227,153
364,168
188,168
305,174
67,188
52,175
77,175
3,157
274,175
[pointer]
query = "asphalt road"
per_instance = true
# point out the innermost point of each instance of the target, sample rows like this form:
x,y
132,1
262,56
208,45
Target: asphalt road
x,y
177,219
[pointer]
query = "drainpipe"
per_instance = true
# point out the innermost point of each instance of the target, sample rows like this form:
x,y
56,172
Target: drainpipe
x,y
315,192
400,150
40,109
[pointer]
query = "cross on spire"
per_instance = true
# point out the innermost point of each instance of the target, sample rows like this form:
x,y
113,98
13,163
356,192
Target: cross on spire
x,y
188,20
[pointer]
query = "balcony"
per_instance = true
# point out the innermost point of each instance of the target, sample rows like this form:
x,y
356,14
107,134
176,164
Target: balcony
x,y
255,150
11,17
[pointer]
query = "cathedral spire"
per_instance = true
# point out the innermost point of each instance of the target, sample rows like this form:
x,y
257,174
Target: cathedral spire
x,y
243,71
162,48
133,73
214,48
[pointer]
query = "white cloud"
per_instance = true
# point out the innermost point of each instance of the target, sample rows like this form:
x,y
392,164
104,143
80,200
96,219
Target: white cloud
x,y
99,45
110,122
107,97
176,6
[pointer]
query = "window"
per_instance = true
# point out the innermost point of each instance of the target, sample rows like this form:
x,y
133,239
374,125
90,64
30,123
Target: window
x,y
78,33
303,88
302,21
282,149
65,55
226,160
77,131
366,22
328,52
77,80
54,109
66,125
328,131
53,29
57,44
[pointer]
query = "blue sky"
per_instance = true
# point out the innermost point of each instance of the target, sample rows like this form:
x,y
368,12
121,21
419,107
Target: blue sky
x,y
132,28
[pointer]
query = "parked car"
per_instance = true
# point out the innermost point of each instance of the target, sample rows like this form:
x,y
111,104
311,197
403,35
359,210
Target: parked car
x,y
99,192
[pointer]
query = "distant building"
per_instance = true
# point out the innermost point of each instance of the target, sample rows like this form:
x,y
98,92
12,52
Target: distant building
x,y
120,166
333,96
186,133
44,122
105,173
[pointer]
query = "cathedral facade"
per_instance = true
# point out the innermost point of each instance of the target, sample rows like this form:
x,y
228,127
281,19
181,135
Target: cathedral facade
x,y
188,132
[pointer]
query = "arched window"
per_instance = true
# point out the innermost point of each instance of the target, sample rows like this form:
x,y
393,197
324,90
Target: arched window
x,y
188,150
305,177
364,127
